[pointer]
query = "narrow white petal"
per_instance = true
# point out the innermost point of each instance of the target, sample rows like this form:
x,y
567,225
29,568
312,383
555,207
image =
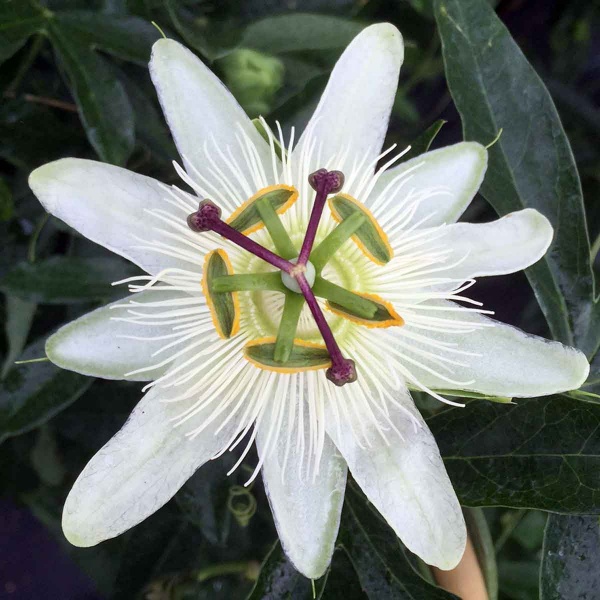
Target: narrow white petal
x,y
407,482
110,206
354,110
497,359
442,183
306,505
207,123
101,343
136,472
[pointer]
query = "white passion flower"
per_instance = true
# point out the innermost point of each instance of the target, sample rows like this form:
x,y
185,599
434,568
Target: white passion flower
x,y
306,270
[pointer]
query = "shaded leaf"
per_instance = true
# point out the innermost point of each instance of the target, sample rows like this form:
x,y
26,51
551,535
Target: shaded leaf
x,y
423,142
18,20
127,37
19,316
279,579
541,453
531,165
103,105
6,202
570,557
33,393
63,279
378,557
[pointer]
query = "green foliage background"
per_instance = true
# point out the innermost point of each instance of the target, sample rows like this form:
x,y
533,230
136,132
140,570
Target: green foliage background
x,y
74,82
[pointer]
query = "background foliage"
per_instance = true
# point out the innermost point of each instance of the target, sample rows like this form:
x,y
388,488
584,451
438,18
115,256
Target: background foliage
x,y
74,82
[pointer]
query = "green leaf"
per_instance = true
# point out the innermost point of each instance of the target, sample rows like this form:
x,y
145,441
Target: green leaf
x,y
279,579
127,37
531,165
19,316
570,557
103,105
19,19
423,142
33,393
377,556
297,32
541,453
62,279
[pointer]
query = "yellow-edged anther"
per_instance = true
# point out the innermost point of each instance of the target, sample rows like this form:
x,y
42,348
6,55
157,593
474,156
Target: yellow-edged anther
x,y
305,356
369,237
246,219
224,306
386,315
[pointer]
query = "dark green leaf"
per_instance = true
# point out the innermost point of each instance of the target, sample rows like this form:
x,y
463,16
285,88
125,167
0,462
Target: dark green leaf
x,y
103,105
531,165
377,556
279,579
342,580
424,141
33,393
62,279
570,558
297,32
18,20
6,202
130,38
19,315
540,453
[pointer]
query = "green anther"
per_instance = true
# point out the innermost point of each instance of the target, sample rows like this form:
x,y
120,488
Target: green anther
x,y
288,326
334,241
361,307
250,282
281,239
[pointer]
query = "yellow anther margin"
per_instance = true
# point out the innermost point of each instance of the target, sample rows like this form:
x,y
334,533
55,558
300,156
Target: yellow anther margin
x,y
305,356
369,237
246,218
224,306
386,315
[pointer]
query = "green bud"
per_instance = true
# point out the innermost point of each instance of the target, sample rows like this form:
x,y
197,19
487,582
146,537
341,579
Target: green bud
x,y
253,77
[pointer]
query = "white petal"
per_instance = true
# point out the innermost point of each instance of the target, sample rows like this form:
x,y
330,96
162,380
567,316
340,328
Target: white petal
x,y
443,183
205,119
407,482
306,506
97,343
136,472
354,110
108,205
506,245
506,361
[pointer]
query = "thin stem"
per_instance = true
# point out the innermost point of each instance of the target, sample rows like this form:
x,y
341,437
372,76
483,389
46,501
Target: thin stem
x,y
595,249
248,569
34,50
31,250
349,300
334,241
317,313
233,235
278,234
288,326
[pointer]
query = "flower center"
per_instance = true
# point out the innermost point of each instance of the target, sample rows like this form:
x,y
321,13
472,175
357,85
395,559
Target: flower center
x,y
298,278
